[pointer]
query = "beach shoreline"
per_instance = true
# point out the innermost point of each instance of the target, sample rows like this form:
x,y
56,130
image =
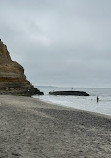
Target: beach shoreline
x,y
73,108
31,128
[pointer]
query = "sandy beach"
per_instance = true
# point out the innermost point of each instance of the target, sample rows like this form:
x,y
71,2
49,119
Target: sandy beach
x,y
30,128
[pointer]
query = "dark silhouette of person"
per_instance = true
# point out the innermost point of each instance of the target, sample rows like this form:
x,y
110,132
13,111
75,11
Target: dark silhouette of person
x,y
97,99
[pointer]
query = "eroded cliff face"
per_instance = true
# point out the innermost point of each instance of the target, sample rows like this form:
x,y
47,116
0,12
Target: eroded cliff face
x,y
12,77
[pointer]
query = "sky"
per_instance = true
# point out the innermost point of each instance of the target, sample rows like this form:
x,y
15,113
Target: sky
x,y
59,42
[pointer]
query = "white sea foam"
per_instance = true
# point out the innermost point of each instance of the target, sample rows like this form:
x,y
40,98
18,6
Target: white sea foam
x,y
88,103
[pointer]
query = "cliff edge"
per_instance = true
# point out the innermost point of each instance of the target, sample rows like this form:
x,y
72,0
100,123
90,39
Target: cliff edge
x,y
12,77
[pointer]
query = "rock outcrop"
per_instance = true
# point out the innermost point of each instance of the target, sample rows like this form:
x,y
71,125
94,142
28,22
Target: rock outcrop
x,y
12,78
76,93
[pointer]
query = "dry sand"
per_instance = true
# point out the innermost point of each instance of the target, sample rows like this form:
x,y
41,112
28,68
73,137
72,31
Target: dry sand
x,y
30,128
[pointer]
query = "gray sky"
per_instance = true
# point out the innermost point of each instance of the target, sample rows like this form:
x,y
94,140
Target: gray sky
x,y
59,42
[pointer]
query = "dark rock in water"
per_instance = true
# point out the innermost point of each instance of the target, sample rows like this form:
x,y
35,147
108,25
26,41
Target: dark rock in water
x,y
12,77
76,93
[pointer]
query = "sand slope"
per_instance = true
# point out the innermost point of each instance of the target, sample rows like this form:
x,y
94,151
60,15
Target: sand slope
x,y
30,128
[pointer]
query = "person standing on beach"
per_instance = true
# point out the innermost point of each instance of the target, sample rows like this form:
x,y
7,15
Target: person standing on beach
x,y
97,99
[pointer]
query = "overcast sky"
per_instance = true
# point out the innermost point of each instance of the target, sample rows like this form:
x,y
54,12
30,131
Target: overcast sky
x,y
59,42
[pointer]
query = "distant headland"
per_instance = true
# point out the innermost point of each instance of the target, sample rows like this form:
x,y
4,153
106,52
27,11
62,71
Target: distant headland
x,y
76,93
12,77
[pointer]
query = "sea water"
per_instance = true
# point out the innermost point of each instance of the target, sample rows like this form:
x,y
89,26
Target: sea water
x,y
87,103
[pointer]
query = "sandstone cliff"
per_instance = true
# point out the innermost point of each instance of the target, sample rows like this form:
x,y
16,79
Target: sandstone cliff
x,y
12,78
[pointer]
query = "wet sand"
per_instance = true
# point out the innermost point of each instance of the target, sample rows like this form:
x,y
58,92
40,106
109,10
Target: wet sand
x,y
30,128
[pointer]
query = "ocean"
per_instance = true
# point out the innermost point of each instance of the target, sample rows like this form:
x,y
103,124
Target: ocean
x,y
87,103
